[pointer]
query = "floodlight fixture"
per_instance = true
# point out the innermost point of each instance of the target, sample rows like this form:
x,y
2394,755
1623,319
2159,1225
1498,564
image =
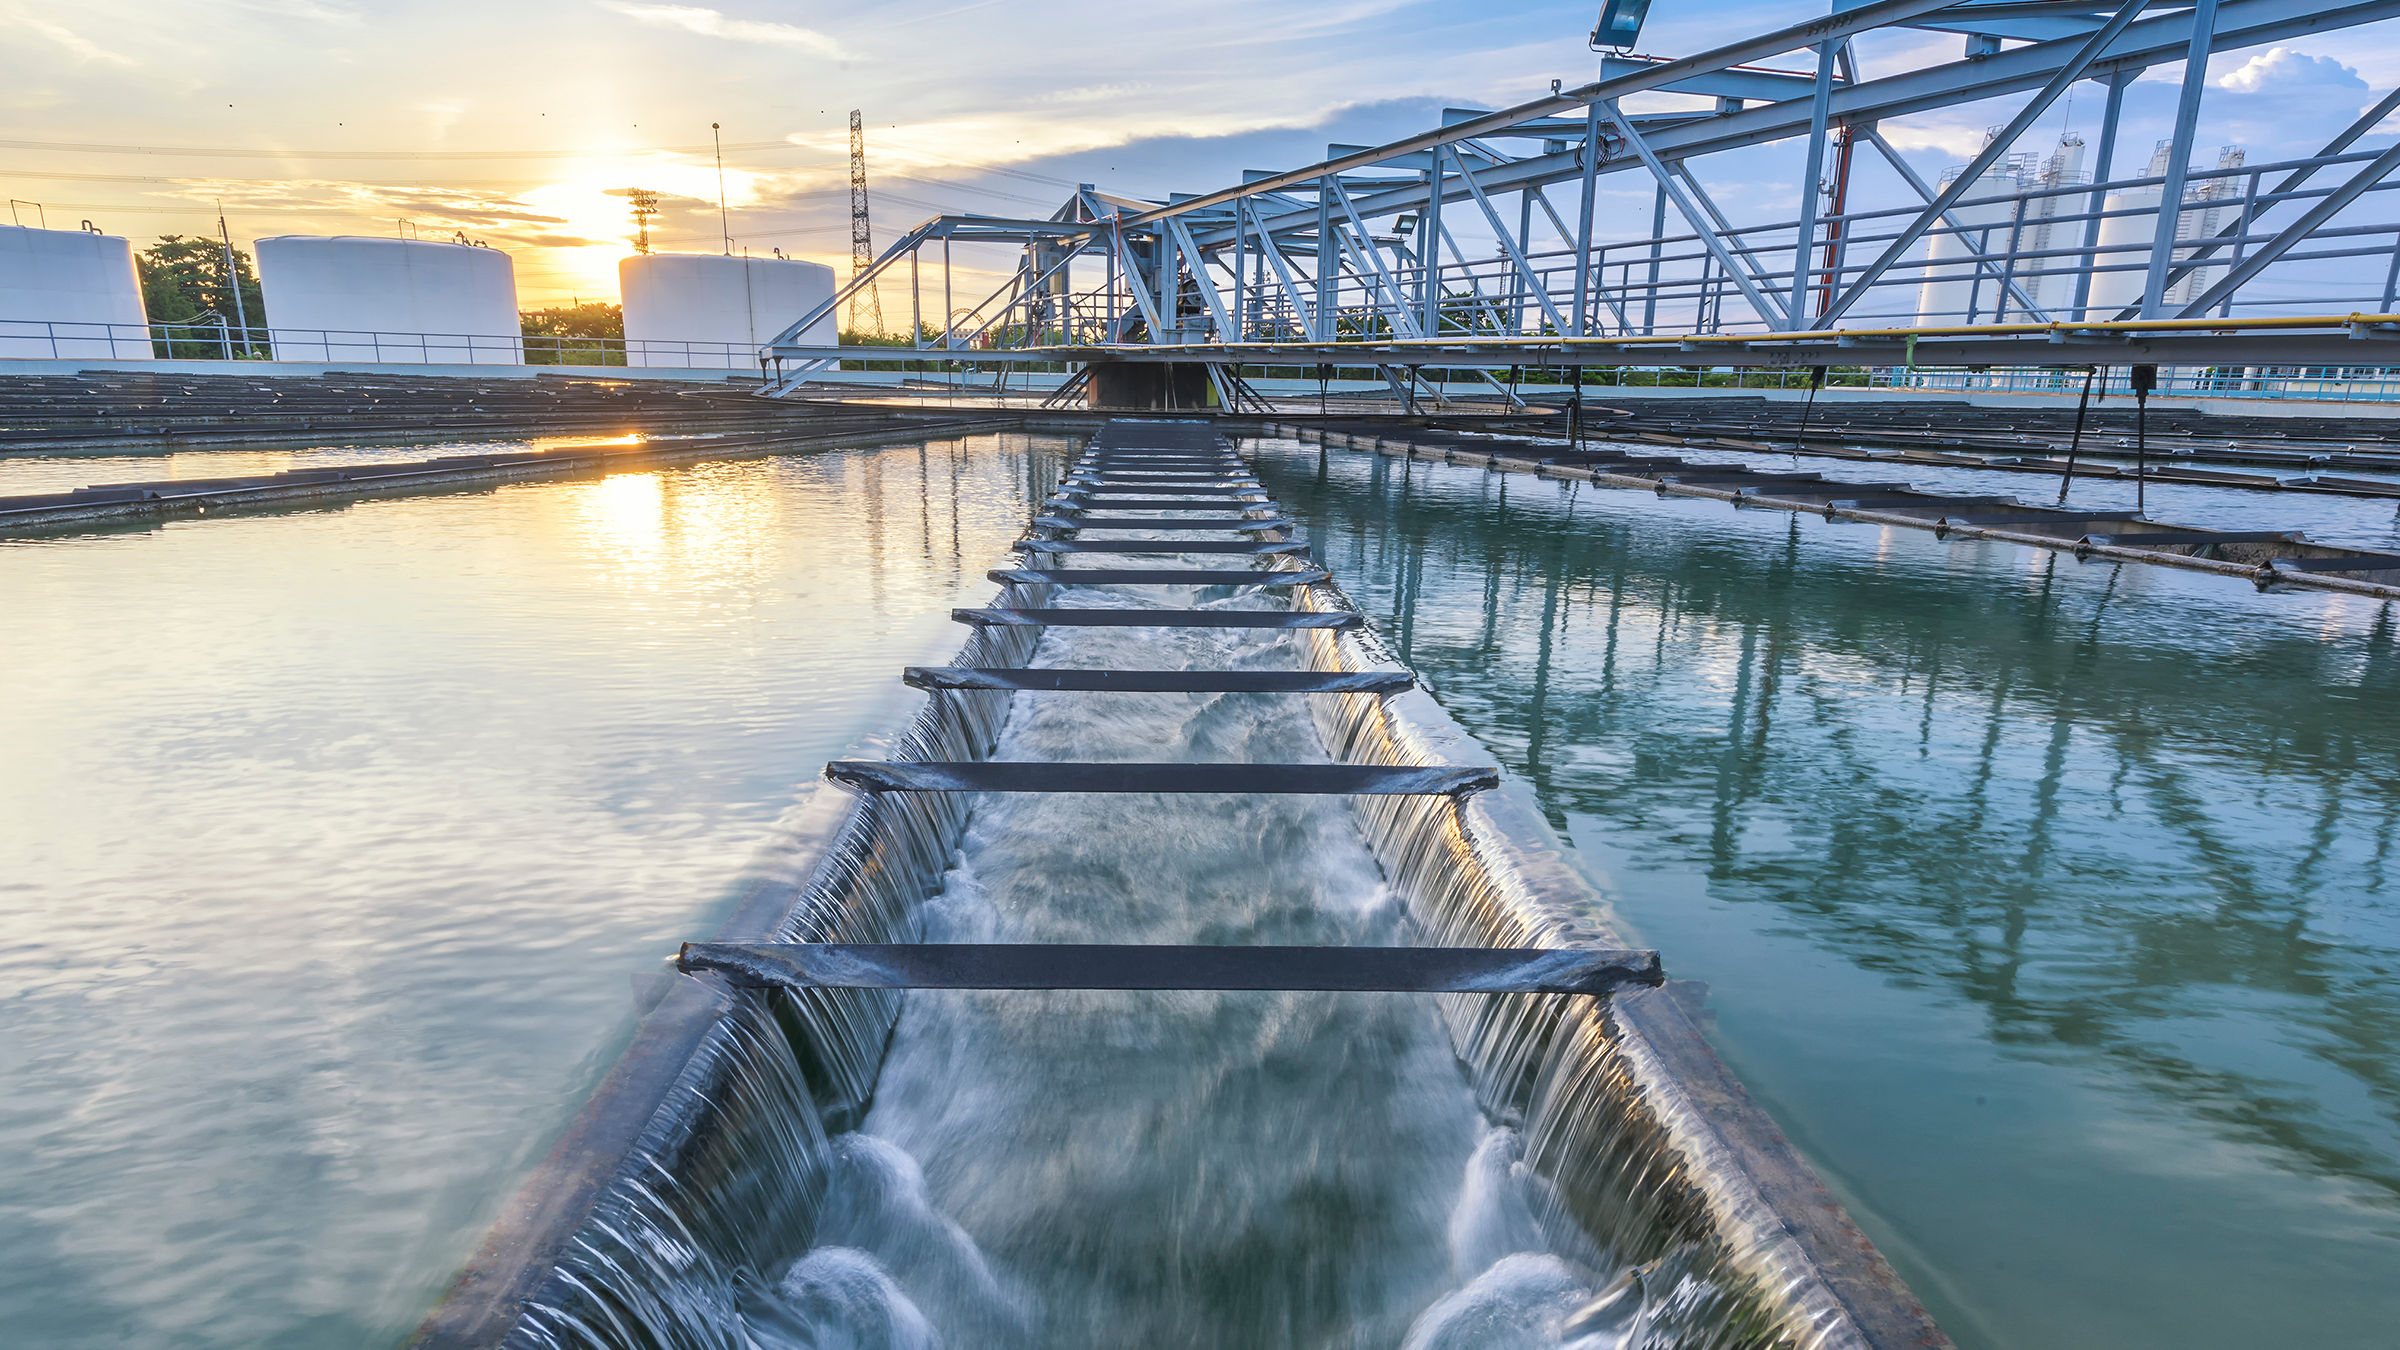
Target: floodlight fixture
x,y
1620,23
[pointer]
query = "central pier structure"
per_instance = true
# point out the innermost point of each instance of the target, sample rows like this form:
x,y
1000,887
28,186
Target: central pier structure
x,y
1484,244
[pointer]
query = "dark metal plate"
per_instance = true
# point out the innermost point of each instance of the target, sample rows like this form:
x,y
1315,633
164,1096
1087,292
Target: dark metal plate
x,y
977,965
1158,618
1157,576
1043,776
1162,681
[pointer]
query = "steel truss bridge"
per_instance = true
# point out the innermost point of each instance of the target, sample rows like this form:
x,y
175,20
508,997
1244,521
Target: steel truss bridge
x,y
1357,261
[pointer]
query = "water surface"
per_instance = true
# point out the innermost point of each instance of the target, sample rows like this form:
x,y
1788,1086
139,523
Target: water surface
x,y
338,839
25,472
2049,907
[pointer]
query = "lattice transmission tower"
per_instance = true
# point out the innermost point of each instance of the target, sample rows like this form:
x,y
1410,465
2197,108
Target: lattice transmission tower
x,y
866,317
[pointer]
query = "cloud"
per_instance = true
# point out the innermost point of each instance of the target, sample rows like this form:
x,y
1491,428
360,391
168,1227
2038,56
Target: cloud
x,y
2282,68
1095,93
552,240
710,23
73,41
1961,142
430,207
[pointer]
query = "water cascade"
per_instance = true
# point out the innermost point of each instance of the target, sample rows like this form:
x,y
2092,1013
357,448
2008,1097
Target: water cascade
x,y
813,1167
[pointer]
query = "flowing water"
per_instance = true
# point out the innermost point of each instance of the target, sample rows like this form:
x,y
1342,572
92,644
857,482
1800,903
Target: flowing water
x,y
1193,1168
1170,1169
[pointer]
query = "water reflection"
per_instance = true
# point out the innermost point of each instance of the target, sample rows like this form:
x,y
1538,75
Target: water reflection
x,y
31,471
2141,823
338,835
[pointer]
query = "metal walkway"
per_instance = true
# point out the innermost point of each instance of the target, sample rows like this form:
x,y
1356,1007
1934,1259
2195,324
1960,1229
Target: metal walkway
x,y
1193,461
1650,1139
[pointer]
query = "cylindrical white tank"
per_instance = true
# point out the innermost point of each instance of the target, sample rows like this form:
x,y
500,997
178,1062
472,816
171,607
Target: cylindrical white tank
x,y
2124,241
714,312
2127,241
1949,293
70,294
359,298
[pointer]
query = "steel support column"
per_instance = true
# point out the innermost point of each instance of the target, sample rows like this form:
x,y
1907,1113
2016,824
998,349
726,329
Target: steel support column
x,y
2179,159
1804,241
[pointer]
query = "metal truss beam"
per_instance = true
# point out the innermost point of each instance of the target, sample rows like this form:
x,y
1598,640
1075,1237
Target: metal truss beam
x,y
1315,227
1767,310
2197,256
2274,249
1984,265
2001,144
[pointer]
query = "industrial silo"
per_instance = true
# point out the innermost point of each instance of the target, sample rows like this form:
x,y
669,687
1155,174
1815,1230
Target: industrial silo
x,y
2127,239
71,294
357,298
706,310
1954,292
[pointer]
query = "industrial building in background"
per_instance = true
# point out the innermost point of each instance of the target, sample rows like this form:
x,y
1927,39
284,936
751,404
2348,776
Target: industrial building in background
x,y
706,311
361,298
82,280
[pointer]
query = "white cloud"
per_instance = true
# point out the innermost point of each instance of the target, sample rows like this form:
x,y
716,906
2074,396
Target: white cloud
x,y
73,41
2284,68
1096,93
1964,143
711,23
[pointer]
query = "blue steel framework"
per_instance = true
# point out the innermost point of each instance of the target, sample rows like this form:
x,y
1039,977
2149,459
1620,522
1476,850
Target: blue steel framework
x,y
1350,260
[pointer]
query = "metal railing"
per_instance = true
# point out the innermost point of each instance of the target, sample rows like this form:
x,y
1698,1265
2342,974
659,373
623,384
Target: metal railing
x,y
2338,384
42,339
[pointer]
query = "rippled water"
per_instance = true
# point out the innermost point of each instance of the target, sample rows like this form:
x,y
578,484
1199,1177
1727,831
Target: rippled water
x,y
2049,907
338,838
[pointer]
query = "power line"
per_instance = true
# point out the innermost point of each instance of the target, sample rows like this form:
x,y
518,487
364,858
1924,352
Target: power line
x,y
970,187
971,164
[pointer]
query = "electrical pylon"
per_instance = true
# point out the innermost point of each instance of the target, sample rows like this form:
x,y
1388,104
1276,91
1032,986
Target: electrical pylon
x,y
867,317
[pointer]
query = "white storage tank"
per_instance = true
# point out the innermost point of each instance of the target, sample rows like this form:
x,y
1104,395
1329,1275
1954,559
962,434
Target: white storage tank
x,y
710,311
360,298
70,294
2125,241
1961,292
2129,239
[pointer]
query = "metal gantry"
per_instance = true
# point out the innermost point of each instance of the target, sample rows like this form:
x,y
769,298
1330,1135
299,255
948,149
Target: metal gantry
x,y
1485,242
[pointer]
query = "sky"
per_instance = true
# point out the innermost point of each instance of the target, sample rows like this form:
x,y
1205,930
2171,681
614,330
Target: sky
x,y
511,121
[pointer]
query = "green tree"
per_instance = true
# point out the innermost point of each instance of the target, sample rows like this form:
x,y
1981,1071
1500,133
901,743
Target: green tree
x,y
585,333
926,332
184,282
